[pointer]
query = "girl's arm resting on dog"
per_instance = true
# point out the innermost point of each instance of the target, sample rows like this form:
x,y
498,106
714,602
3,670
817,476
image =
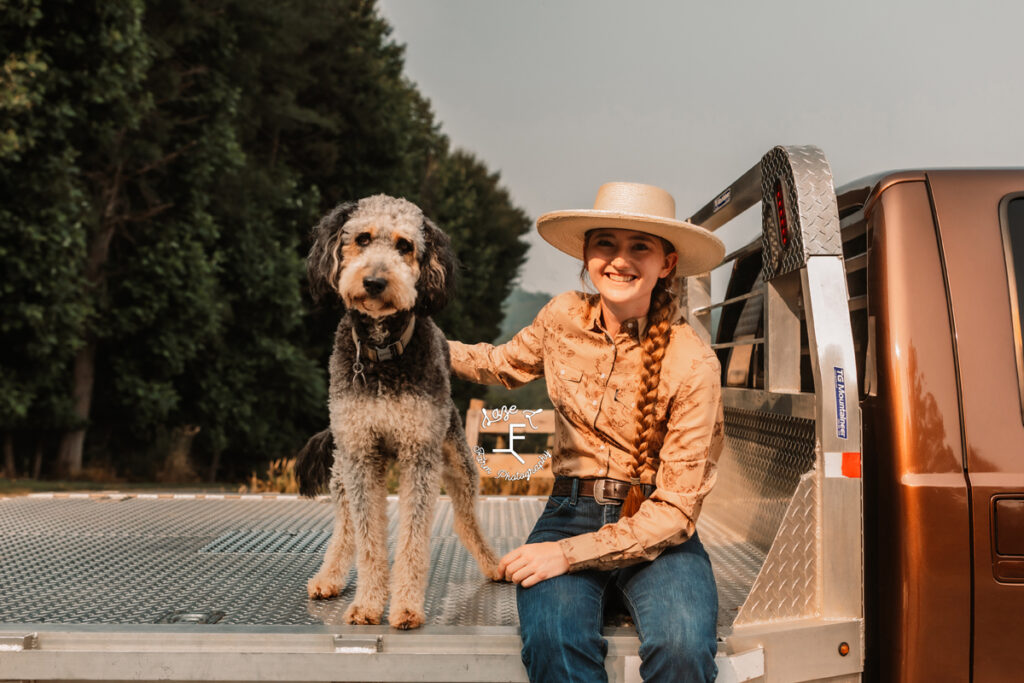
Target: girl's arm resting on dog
x,y
512,364
686,474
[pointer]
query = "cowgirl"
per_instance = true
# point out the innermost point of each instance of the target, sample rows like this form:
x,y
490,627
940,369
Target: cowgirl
x,y
638,417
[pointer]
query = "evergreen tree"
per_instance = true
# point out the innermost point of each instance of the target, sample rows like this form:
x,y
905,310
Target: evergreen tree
x,y
168,161
42,311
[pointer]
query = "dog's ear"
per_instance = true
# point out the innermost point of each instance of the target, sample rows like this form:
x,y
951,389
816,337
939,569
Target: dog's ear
x,y
324,261
437,270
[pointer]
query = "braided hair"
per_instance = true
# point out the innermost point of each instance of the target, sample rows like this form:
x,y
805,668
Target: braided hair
x,y
648,438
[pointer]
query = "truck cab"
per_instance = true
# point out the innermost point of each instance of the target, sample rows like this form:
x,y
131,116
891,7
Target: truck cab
x,y
942,413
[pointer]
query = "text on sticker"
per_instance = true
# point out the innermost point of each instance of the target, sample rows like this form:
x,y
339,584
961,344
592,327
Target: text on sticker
x,y
840,403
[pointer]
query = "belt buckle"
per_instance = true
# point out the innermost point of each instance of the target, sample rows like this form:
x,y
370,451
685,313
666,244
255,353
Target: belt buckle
x,y
599,492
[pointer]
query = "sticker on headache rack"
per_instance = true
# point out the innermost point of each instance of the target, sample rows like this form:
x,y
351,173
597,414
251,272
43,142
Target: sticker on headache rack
x,y
723,199
840,403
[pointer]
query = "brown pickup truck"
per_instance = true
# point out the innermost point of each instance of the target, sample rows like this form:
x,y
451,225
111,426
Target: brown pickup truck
x,y
867,523
942,415
932,261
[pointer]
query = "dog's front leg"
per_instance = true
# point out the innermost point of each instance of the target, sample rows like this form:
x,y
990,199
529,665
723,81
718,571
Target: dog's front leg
x,y
418,488
329,581
367,506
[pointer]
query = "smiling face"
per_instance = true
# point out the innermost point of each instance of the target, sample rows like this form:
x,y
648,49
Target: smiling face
x,y
624,266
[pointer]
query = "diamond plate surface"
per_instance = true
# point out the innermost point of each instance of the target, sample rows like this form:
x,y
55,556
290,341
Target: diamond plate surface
x,y
133,561
250,541
788,585
130,560
762,460
811,200
735,562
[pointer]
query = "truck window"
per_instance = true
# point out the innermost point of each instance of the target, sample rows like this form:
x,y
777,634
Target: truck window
x,y
1011,216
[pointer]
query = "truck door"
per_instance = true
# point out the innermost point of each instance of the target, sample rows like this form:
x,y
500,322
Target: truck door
x,y
980,218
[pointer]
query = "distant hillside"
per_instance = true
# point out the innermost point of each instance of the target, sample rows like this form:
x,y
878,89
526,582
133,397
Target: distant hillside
x,y
520,309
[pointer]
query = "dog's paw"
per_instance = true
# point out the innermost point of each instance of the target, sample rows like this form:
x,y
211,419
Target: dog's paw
x,y
406,618
361,616
321,587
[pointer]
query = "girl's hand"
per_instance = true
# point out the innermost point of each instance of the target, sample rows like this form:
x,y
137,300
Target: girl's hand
x,y
534,562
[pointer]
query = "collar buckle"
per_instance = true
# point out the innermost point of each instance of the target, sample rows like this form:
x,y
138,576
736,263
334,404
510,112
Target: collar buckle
x,y
392,350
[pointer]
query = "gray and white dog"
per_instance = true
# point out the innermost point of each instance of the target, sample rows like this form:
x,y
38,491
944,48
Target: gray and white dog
x,y
390,399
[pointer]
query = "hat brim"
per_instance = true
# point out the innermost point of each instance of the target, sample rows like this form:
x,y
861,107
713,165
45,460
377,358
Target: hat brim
x,y
698,249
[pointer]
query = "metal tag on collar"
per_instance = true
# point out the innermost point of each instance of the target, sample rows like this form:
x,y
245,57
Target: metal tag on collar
x,y
388,352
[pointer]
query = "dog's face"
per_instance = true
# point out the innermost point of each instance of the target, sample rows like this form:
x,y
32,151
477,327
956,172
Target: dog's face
x,y
381,255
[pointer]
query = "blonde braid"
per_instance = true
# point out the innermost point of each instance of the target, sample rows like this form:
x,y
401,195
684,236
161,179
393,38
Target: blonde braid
x,y
647,441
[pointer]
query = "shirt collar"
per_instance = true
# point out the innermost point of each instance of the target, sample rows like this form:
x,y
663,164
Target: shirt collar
x,y
592,316
636,327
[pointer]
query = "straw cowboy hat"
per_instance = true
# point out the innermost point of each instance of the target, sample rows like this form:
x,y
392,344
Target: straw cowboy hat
x,y
645,208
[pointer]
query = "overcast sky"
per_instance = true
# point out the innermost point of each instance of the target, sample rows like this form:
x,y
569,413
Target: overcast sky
x,y
561,96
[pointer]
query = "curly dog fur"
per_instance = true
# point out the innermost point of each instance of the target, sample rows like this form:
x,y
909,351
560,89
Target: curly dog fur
x,y
392,268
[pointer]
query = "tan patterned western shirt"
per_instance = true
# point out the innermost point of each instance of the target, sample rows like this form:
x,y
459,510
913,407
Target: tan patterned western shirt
x,y
593,380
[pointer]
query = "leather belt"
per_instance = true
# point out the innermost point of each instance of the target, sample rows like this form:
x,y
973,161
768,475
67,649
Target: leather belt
x,y
601,490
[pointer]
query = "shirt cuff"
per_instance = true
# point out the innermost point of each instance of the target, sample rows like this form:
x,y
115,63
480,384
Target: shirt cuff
x,y
588,551
580,551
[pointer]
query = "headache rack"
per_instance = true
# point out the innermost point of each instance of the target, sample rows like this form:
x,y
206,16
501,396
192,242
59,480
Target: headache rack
x,y
789,476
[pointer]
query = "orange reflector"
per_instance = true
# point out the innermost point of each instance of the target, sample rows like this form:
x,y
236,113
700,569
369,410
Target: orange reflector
x,y
851,465
844,649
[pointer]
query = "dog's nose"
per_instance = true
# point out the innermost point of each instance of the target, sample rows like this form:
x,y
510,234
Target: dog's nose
x,y
374,285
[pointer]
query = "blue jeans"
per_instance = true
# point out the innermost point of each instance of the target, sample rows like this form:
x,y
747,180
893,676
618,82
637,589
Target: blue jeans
x,y
673,601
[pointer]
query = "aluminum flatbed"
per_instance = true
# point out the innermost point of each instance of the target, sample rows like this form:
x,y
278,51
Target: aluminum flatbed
x,y
201,587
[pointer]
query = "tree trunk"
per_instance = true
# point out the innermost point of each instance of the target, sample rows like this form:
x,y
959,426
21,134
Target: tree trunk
x,y
37,459
69,455
214,466
9,469
177,467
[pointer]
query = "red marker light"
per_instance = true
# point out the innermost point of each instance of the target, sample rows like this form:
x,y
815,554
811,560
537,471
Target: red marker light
x,y
780,214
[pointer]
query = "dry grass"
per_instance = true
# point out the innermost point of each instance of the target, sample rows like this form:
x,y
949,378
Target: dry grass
x,y
534,486
280,478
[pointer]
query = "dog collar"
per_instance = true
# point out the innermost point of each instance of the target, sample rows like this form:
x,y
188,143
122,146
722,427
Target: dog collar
x,y
393,350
